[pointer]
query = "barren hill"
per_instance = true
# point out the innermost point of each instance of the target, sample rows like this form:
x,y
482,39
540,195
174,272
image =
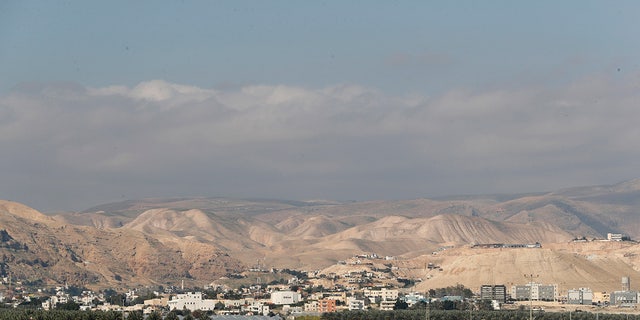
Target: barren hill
x,y
36,248
600,265
199,239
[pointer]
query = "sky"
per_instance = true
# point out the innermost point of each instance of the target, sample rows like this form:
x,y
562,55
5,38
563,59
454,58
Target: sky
x,y
304,100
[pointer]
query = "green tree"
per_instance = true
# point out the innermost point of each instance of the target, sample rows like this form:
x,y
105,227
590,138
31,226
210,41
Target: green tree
x,y
135,315
400,305
71,305
154,316
171,316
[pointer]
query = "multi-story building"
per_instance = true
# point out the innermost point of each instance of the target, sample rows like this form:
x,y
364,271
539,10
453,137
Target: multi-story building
x,y
494,293
582,296
191,301
381,295
326,305
355,303
285,297
623,297
387,305
534,291
311,306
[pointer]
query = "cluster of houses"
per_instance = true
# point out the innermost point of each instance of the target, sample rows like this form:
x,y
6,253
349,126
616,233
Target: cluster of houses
x,y
287,301
368,282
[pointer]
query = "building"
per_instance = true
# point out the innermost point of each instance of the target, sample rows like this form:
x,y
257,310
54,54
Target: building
x,y
413,298
387,305
311,306
355,303
534,291
285,297
326,305
582,296
493,293
255,307
614,236
191,301
381,295
601,297
626,284
623,297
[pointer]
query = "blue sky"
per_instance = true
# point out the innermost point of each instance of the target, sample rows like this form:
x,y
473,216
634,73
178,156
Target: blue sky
x,y
338,99
410,46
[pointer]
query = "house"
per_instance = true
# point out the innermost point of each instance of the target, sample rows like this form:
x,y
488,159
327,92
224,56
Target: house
x,y
191,301
285,297
355,304
383,294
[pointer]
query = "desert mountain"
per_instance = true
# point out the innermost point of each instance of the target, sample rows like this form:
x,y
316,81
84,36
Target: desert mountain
x,y
199,239
37,248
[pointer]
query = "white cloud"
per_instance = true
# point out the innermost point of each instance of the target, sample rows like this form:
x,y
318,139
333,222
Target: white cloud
x,y
343,141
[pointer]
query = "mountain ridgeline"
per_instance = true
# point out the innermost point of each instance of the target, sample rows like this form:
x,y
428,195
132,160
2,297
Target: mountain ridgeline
x,y
164,241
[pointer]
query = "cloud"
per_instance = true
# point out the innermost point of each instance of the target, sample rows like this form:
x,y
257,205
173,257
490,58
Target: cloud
x,y
66,146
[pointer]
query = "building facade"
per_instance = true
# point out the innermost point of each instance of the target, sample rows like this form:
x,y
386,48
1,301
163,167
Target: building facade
x,y
285,297
582,296
494,293
381,295
191,301
534,291
327,305
623,297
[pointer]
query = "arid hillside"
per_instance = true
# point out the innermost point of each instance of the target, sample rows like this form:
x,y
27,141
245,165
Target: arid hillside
x,y
38,249
599,265
200,239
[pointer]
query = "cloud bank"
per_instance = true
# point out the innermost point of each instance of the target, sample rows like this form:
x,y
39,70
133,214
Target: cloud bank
x,y
66,146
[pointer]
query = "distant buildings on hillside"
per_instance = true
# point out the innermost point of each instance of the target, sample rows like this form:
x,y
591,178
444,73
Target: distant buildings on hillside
x,y
507,245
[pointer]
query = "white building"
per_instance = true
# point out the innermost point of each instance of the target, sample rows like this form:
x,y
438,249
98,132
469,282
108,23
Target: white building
x,y
614,236
387,305
191,301
285,297
355,303
256,307
580,296
381,295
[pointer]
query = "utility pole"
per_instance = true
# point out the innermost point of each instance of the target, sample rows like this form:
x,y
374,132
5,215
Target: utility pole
x,y
427,305
531,277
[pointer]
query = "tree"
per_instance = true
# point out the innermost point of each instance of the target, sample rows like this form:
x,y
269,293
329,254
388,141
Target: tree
x,y
400,305
171,316
71,305
485,305
135,315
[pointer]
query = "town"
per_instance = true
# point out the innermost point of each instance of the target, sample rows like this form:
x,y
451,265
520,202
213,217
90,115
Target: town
x,y
367,282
